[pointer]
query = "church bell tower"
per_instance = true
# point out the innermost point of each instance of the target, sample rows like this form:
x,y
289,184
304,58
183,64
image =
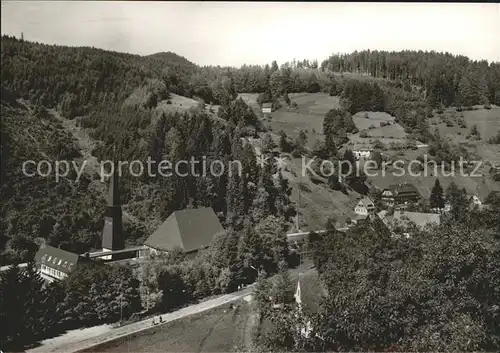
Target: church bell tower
x,y
112,232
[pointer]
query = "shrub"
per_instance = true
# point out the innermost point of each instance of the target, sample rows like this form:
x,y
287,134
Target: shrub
x,y
411,144
377,144
363,134
496,139
276,104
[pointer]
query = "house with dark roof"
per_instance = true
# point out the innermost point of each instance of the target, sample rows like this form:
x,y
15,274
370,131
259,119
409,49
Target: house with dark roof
x,y
403,220
56,264
400,194
188,230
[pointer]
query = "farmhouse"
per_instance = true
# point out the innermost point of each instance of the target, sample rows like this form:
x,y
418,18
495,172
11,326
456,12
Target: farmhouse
x,y
364,207
56,264
400,194
403,219
445,209
188,230
267,109
362,152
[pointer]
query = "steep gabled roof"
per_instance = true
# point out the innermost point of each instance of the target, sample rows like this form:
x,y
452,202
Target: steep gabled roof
x,y
189,230
367,202
56,258
311,291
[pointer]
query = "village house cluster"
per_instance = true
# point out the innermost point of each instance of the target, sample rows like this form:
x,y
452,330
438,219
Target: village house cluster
x,y
190,230
392,206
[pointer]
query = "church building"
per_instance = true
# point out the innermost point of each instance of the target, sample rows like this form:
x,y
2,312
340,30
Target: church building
x,y
112,232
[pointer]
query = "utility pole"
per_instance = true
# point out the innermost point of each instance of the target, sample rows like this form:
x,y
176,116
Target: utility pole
x,y
300,258
298,210
121,303
121,307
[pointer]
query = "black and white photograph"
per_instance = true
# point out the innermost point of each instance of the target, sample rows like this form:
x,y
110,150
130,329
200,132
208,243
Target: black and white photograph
x,y
249,177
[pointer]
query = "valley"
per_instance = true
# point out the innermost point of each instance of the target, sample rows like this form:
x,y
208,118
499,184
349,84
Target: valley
x,y
280,206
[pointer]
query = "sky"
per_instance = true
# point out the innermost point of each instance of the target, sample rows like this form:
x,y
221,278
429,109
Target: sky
x,y
225,33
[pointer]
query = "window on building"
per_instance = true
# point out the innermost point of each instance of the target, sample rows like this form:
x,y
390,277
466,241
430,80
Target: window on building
x,y
50,257
60,262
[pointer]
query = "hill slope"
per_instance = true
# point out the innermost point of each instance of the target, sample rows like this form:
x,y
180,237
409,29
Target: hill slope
x,y
64,212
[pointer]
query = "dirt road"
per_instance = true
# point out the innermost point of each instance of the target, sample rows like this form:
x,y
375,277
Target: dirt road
x,y
77,340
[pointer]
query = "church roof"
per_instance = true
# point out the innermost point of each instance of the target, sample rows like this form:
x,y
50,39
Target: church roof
x,y
189,230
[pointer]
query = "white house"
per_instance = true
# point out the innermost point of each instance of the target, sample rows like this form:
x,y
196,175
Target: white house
x,y
54,263
445,209
364,207
362,152
475,201
267,108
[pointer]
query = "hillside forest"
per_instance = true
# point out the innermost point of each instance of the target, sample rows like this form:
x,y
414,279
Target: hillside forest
x,y
115,97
